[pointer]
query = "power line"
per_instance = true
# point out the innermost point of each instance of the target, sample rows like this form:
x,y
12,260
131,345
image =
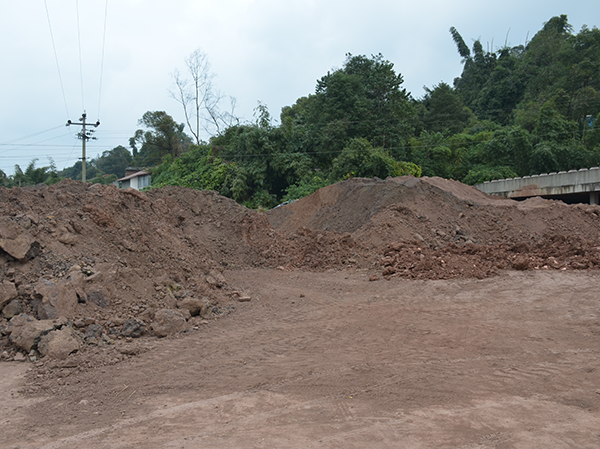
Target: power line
x,y
23,145
102,63
80,61
69,158
8,142
56,58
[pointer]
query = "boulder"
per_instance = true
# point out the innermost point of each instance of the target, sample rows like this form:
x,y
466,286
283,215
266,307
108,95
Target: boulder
x,y
16,241
25,331
8,292
58,344
168,321
55,299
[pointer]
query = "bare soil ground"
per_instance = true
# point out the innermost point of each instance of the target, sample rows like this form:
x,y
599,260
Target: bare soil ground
x,y
414,313
332,360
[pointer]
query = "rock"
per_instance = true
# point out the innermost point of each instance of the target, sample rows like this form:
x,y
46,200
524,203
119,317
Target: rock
x,y
244,299
12,309
133,327
147,315
195,306
579,265
215,279
67,238
168,321
211,281
129,350
117,321
26,331
521,263
19,357
98,298
93,332
8,292
373,277
58,344
77,280
56,299
16,241
389,271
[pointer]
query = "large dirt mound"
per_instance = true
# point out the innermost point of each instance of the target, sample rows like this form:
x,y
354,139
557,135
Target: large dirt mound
x,y
90,264
120,263
435,228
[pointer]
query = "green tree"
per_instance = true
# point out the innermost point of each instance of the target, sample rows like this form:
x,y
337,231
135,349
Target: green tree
x,y
444,110
364,99
114,162
360,159
35,175
163,136
74,172
196,169
266,164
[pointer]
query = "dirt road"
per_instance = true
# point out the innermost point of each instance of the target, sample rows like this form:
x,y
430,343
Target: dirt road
x,y
331,360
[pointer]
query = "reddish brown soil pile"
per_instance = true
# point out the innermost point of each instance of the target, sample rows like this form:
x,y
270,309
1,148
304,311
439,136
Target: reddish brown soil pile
x,y
431,228
119,263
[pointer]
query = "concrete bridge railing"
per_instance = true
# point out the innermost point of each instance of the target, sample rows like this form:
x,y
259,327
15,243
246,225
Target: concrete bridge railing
x,y
548,184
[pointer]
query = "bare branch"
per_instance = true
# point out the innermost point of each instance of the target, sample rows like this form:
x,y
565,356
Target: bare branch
x,y
200,100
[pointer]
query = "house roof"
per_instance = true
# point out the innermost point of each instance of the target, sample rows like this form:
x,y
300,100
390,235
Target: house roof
x,y
134,175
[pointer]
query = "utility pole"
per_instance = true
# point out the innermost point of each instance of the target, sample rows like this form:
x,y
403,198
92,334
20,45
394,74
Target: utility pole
x,y
84,135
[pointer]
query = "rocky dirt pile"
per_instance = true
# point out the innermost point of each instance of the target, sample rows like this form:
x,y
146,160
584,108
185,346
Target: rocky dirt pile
x,y
114,263
89,266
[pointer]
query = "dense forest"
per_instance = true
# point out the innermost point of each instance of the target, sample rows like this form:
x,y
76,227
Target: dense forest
x,y
514,111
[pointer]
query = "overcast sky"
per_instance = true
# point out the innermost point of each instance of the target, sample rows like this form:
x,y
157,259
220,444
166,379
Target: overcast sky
x,y
272,51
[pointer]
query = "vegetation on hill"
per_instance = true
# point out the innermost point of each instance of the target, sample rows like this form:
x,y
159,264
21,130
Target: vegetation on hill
x,y
514,111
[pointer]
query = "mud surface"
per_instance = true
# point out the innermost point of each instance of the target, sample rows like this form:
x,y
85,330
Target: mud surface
x,y
373,313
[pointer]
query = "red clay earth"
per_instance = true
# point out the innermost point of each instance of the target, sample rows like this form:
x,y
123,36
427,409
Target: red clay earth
x,y
374,313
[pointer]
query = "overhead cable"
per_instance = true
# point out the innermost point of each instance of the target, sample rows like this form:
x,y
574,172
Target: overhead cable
x,y
102,61
80,61
56,58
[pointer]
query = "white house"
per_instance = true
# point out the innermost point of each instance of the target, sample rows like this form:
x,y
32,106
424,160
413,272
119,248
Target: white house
x,y
134,178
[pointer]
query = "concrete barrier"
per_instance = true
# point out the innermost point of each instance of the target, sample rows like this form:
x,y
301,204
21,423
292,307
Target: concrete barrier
x,y
584,181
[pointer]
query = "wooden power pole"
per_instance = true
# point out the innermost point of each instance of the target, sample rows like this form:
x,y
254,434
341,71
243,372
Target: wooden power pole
x,y
84,135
